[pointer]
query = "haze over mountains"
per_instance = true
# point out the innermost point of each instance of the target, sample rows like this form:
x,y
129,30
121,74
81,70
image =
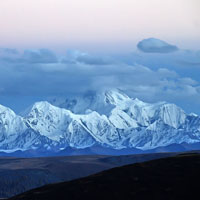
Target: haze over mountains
x,y
108,119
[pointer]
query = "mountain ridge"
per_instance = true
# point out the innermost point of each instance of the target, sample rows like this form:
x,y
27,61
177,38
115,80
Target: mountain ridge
x,y
125,123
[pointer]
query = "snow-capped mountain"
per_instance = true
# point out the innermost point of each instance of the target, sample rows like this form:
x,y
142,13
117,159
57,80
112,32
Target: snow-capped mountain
x,y
109,119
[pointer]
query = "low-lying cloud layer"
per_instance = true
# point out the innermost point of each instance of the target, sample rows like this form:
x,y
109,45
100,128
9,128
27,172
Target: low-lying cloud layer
x,y
42,73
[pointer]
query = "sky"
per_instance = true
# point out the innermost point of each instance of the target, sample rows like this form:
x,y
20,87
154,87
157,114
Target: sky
x,y
97,25
148,48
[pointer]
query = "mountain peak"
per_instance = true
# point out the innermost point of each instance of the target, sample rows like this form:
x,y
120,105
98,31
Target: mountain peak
x,y
139,102
115,96
42,104
6,109
10,123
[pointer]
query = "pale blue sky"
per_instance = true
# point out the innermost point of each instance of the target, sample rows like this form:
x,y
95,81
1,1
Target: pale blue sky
x,y
97,25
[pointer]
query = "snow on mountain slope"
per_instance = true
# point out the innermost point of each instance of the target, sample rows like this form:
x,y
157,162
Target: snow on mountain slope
x,y
59,125
10,123
172,115
15,134
109,118
122,120
49,120
101,129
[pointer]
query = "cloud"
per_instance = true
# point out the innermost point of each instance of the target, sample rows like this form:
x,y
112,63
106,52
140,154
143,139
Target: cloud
x,y
8,55
61,78
4,51
153,45
186,63
40,74
75,56
31,56
39,56
183,62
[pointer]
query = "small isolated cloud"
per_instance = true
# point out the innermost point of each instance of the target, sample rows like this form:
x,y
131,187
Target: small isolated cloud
x,y
39,56
153,45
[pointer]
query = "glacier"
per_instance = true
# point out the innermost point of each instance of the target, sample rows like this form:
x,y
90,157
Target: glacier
x,y
110,119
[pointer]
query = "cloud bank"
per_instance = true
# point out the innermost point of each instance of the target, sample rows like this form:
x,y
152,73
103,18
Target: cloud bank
x,y
42,73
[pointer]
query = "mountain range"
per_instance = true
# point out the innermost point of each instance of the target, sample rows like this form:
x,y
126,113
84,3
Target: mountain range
x,y
108,119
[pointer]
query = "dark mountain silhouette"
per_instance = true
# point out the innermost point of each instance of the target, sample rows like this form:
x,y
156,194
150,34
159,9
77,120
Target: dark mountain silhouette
x,y
167,178
21,174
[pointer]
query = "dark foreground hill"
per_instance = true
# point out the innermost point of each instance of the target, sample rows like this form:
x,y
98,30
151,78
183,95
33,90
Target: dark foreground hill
x,y
18,175
175,177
